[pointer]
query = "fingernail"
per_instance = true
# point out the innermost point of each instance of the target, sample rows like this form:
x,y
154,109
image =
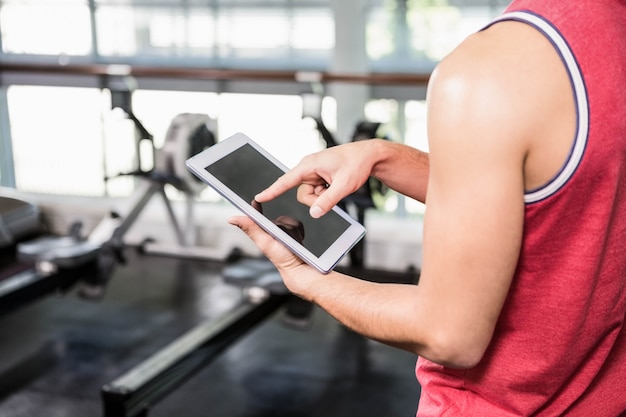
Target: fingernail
x,y
315,212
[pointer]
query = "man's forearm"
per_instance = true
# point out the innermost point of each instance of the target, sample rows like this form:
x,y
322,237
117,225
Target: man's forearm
x,y
412,179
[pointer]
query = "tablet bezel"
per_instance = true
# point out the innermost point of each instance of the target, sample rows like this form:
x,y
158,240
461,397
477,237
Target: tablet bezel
x,y
324,263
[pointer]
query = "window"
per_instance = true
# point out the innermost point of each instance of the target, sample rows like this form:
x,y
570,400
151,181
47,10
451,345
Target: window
x,y
53,122
418,33
57,139
66,140
52,27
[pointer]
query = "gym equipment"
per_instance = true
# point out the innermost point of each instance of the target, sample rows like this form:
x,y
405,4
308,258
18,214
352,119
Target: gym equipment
x,y
187,135
21,280
138,390
134,393
50,263
18,219
59,262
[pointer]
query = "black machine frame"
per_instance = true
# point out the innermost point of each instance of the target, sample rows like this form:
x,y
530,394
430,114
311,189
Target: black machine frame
x,y
134,393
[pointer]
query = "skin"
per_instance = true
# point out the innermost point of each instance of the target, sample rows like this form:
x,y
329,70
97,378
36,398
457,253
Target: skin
x,y
501,120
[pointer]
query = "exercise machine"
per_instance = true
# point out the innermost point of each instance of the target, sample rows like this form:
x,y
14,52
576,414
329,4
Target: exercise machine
x,y
139,390
47,263
187,135
20,220
134,393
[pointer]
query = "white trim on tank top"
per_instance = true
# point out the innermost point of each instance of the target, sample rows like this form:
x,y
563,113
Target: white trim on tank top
x,y
580,97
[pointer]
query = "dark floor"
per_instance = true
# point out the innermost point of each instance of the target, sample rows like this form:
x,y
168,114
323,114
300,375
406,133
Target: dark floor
x,y
57,352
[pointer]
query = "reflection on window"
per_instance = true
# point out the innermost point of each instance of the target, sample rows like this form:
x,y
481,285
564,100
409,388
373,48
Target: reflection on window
x,y
46,28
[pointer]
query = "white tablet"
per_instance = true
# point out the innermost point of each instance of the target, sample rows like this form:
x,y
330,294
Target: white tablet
x,y
238,169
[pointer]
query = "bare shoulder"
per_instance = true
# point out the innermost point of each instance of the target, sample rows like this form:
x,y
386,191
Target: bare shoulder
x,y
505,67
509,83
504,53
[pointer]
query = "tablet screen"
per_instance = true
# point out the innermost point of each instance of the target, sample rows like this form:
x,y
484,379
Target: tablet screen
x,y
247,172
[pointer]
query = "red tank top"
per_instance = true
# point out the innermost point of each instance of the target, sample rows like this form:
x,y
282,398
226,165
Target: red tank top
x,y
559,347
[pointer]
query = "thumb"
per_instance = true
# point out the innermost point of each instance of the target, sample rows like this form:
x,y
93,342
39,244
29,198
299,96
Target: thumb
x,y
250,228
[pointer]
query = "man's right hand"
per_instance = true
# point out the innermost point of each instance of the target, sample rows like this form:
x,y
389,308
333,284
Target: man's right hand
x,y
326,177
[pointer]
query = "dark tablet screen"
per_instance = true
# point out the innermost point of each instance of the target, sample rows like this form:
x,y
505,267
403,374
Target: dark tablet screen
x,y
247,172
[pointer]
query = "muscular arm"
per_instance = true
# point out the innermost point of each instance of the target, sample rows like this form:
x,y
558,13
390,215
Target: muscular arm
x,y
472,226
485,104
